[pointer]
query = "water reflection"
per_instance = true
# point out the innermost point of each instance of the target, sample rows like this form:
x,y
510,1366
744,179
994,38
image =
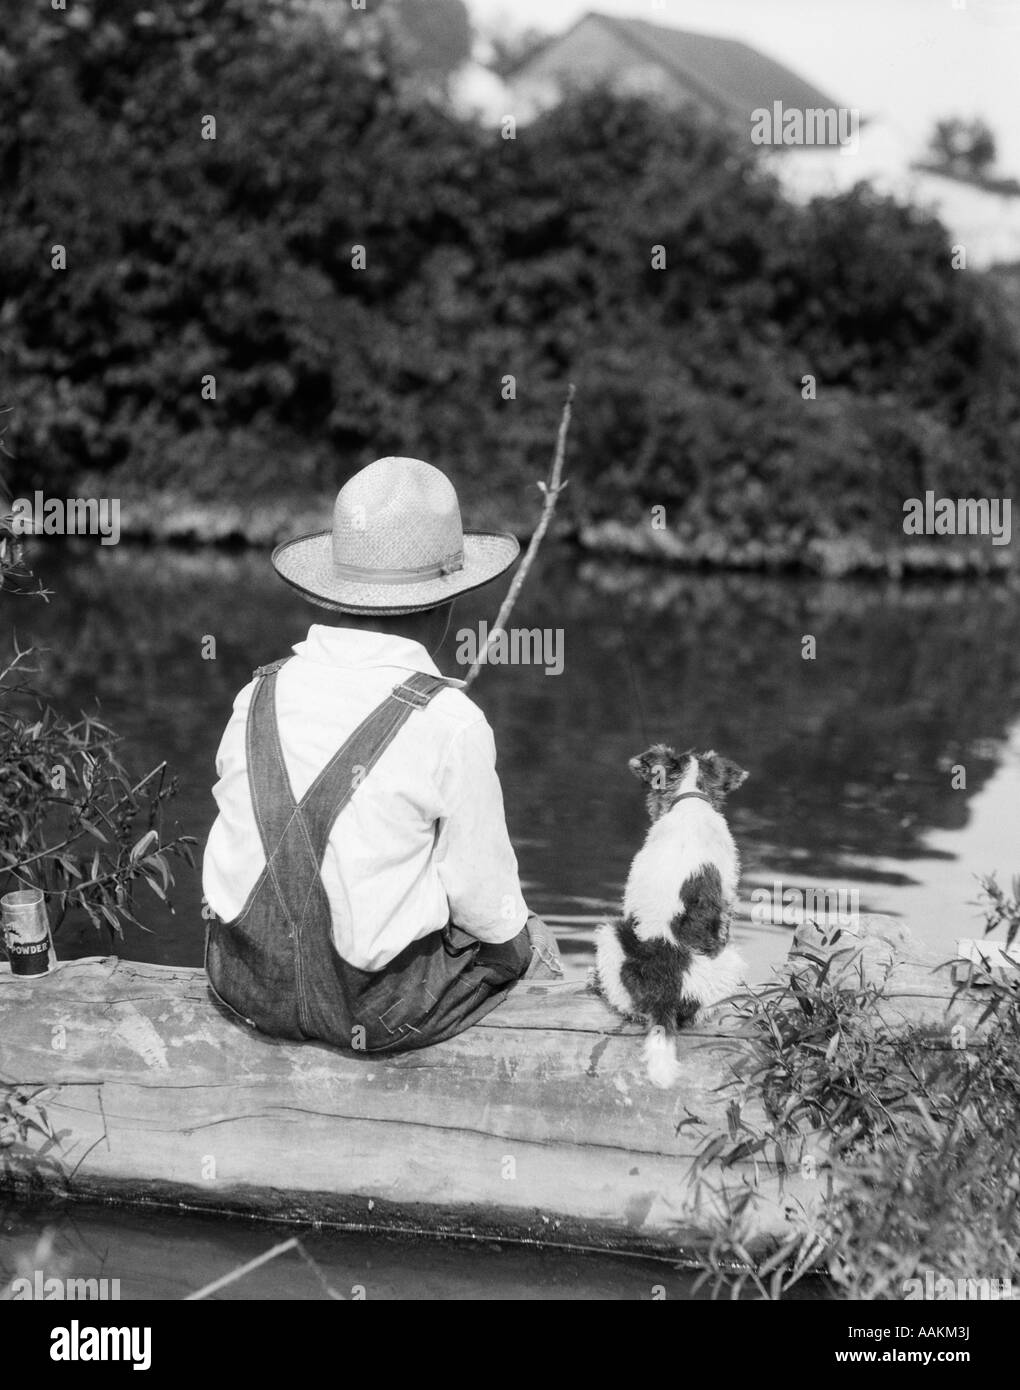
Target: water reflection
x,y
851,753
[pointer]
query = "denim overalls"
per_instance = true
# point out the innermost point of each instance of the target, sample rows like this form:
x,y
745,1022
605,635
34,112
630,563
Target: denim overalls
x,y
275,965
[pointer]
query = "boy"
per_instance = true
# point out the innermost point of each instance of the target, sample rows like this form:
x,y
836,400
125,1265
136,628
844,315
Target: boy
x,y
365,889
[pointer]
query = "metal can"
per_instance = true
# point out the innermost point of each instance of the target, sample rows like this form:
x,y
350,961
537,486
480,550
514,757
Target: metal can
x,y
27,932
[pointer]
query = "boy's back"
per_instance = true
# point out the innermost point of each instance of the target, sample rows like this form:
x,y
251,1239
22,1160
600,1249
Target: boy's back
x,y
363,885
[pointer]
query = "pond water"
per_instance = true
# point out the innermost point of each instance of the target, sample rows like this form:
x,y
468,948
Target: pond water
x,y
853,755
887,766
163,1255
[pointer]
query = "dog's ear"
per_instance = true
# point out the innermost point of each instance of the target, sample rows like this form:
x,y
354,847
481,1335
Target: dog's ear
x,y
655,765
721,775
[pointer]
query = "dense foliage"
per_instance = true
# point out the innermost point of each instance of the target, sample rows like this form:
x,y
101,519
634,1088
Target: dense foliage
x,y
912,1132
485,257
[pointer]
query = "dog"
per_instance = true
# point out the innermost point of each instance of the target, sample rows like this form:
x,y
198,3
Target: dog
x,y
669,953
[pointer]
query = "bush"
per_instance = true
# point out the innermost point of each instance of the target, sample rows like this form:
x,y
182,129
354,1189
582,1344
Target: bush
x,y
72,821
485,258
921,1136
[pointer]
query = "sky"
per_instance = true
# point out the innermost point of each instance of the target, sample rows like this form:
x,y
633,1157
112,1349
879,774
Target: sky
x,y
907,62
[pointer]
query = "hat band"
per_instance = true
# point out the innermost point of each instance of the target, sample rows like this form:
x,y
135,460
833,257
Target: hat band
x,y
366,574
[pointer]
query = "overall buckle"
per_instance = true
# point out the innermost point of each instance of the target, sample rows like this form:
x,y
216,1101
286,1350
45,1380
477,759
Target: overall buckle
x,y
407,695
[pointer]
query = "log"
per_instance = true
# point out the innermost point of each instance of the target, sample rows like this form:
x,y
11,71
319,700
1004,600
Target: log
x,y
536,1124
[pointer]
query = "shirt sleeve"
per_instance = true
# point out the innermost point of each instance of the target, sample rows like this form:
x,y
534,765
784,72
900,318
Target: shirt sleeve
x,y
475,859
234,835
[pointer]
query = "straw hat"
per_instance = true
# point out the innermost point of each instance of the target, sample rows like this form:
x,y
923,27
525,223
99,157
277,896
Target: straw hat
x,y
397,545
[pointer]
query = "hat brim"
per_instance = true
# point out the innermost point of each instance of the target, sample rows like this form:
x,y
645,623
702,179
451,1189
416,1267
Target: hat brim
x,y
306,564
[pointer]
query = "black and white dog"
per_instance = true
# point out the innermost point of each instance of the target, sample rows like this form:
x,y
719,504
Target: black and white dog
x,y
669,955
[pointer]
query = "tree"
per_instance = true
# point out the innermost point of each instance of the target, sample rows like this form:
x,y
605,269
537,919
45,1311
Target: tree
x,y
436,37
964,147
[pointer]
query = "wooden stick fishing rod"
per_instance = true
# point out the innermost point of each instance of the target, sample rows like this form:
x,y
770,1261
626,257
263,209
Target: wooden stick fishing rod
x,y
551,491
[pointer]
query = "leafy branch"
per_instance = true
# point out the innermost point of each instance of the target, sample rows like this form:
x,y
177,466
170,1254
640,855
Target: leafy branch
x,y
72,821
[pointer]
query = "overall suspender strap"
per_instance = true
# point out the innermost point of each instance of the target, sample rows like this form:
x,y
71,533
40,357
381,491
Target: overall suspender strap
x,y
351,764
272,798
272,795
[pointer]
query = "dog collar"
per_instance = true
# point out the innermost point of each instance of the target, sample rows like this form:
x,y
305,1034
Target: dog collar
x,y
700,796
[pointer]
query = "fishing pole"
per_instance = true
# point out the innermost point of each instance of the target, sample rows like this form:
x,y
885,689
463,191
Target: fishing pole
x,y
551,492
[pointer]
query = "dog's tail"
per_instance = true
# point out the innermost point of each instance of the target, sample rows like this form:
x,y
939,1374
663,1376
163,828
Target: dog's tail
x,y
660,1058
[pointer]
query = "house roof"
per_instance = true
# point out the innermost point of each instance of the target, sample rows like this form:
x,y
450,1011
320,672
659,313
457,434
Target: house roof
x,y
729,75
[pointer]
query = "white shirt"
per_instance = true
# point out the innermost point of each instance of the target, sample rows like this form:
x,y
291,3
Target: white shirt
x,y
422,841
